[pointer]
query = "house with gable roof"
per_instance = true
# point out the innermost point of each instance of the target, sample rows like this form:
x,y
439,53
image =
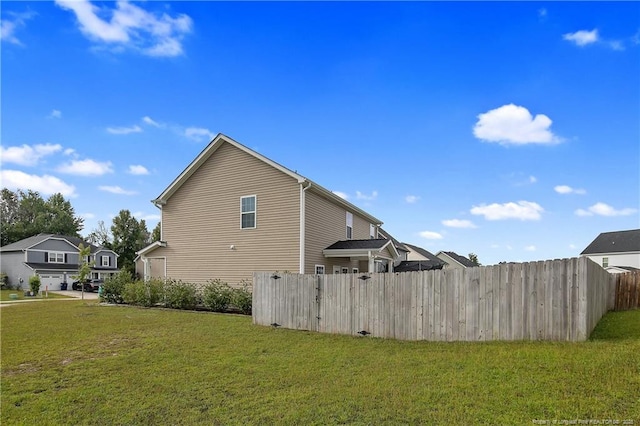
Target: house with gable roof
x,y
233,212
617,252
55,259
454,260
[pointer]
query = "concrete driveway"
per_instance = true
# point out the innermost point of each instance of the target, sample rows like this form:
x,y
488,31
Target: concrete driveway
x,y
77,294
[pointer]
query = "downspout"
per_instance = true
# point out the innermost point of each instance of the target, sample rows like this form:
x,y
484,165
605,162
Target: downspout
x,y
302,222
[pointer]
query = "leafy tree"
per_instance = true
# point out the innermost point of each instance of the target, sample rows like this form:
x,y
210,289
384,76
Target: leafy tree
x,y
155,234
474,259
129,236
84,265
26,213
100,236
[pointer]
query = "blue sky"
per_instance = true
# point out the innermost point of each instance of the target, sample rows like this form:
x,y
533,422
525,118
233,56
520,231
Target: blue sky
x,y
511,130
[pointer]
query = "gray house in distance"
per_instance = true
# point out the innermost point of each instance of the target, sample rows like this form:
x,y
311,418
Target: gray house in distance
x,y
55,258
617,251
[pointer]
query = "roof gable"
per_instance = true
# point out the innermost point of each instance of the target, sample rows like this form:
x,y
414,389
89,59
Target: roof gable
x,y
35,240
615,242
425,253
460,259
220,140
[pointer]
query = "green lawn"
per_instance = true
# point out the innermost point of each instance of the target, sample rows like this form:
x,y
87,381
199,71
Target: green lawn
x,y
78,362
5,295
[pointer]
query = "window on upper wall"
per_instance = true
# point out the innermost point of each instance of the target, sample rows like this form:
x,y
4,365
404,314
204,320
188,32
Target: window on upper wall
x,y
105,260
372,231
319,269
354,270
349,225
345,270
248,212
55,257
605,262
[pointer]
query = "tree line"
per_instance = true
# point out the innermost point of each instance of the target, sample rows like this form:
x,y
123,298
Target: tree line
x,y
25,213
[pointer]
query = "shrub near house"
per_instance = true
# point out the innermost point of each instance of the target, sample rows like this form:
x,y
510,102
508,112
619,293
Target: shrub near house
x,y
215,295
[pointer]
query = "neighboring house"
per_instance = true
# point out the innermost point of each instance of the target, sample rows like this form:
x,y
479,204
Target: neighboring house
x,y
454,260
419,259
55,258
233,212
617,251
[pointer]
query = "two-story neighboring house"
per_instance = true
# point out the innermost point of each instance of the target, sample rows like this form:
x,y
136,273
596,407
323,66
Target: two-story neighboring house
x,y
617,251
233,212
55,258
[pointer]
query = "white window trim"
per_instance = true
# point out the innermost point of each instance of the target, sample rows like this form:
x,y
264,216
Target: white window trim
x,y
372,231
344,270
354,270
55,257
336,269
255,211
319,268
102,260
349,226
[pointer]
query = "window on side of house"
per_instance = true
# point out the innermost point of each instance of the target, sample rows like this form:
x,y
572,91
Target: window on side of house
x,y
105,261
349,225
319,269
55,257
345,270
248,212
354,270
605,262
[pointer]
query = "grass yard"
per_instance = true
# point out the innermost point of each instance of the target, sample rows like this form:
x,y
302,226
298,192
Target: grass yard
x,y
5,295
78,362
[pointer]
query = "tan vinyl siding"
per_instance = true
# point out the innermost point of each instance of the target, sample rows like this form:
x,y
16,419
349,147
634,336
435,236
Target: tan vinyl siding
x,y
201,221
326,223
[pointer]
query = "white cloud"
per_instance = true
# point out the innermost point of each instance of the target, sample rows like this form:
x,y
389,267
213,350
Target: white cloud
x,y
70,151
124,130
341,195
616,45
56,113
532,179
361,196
151,122
411,199
131,26
138,170
46,184
582,37
512,124
86,168
198,133
430,235
116,190
522,210
572,246
530,248
458,223
565,189
146,217
26,155
542,13
602,209
8,27
87,215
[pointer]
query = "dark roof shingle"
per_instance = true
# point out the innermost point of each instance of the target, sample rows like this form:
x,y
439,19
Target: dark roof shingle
x,y
615,242
358,244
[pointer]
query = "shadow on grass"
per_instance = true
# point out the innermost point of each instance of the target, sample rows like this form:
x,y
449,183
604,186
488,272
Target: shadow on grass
x,y
620,325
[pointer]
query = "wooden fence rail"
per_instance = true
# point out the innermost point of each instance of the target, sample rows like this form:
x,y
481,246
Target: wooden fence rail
x,y
627,291
547,300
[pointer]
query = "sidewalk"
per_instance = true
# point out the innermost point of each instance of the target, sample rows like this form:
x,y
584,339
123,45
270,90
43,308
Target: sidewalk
x,y
71,294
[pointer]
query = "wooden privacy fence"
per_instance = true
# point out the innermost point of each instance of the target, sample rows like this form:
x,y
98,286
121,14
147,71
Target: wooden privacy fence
x,y
547,300
627,291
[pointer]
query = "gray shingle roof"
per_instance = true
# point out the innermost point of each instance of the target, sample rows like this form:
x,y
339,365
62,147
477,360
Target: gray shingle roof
x,y
418,265
463,260
358,244
36,239
615,242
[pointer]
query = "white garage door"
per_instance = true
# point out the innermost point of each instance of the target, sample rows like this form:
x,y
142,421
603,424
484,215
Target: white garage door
x,y
53,281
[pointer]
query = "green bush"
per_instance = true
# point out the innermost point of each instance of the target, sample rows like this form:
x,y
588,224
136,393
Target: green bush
x,y
180,295
216,295
113,287
34,284
4,281
143,293
241,298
